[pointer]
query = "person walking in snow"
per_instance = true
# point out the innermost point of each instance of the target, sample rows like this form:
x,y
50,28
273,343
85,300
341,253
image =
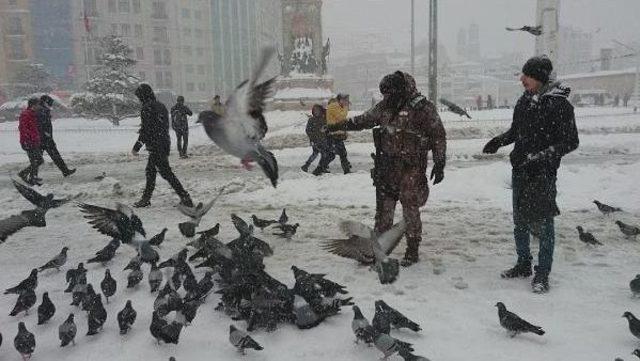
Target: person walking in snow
x,y
180,124
154,135
46,135
407,127
543,130
337,112
316,131
30,141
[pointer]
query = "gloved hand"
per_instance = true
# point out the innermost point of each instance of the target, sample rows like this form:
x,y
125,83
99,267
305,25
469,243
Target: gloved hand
x,y
437,173
492,146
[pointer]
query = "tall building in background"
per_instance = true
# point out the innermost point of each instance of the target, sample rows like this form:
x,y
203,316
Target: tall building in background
x,y
473,42
575,51
240,29
16,38
461,47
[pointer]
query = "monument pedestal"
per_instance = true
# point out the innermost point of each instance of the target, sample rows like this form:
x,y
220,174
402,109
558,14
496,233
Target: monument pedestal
x,y
301,91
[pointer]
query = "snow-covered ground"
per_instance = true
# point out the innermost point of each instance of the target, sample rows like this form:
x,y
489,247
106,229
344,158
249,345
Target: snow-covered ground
x,y
451,292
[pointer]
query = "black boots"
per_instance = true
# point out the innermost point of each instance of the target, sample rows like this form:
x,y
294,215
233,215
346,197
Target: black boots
x,y
540,283
522,269
68,172
411,256
142,203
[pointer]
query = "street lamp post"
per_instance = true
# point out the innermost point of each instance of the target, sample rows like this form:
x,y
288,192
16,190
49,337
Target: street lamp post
x,y
433,50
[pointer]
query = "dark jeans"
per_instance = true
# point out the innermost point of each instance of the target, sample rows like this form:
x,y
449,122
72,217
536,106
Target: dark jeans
x,y
160,164
182,138
35,161
315,153
340,150
522,230
49,146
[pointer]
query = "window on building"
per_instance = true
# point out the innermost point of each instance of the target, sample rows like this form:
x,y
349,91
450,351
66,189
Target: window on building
x,y
188,68
90,8
136,6
138,30
15,26
201,69
200,51
17,49
186,13
114,29
159,82
157,56
112,6
140,53
143,76
159,10
202,87
198,33
123,6
160,34
168,79
125,29
191,87
167,56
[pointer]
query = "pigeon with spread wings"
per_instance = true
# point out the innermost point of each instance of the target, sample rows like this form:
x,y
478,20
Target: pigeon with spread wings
x,y
240,130
120,223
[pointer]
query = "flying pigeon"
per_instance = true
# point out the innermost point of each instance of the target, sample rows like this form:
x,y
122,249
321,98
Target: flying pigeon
x,y
389,345
195,214
533,30
634,285
365,246
587,237
514,324
361,327
628,230
158,238
97,316
67,331
240,130
606,209
108,285
30,283
25,342
155,278
242,227
454,108
126,318
46,310
262,223
240,340
25,301
634,323
29,218
57,261
120,223
397,319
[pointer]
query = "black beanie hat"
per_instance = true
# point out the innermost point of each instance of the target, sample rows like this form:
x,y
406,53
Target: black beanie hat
x,y
539,68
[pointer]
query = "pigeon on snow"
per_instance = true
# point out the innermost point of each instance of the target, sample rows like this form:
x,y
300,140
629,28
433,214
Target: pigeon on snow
x,y
126,318
397,319
514,324
24,342
120,223
30,283
587,237
240,130
155,278
634,323
97,316
262,223
108,285
241,340
25,301
46,310
57,261
158,238
606,209
67,331
628,230
361,327
195,214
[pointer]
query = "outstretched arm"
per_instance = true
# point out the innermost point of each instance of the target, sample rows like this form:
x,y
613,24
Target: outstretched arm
x,y
366,120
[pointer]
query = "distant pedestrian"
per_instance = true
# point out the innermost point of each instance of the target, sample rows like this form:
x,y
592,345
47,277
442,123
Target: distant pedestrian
x,y
337,112
154,135
30,142
479,102
217,106
46,135
180,124
317,132
625,99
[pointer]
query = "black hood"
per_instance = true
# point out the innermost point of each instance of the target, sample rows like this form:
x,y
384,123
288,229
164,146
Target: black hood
x,y
145,93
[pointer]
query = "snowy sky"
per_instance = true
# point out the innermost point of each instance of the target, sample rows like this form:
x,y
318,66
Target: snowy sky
x,y
387,22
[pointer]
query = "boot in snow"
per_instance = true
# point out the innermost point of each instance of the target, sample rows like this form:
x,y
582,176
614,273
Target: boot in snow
x,y
411,256
142,203
522,269
68,172
540,283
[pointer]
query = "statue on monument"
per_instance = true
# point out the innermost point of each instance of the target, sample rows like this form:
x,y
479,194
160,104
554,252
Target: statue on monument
x,y
325,57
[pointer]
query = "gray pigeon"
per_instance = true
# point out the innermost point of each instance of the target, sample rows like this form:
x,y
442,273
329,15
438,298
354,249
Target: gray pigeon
x,y
134,277
587,237
126,318
240,340
397,319
46,310
25,301
57,261
30,283
108,285
533,30
408,356
25,342
634,323
154,278
239,131
195,214
366,246
158,238
361,327
120,223
605,208
454,108
389,345
628,230
634,285
67,332
514,324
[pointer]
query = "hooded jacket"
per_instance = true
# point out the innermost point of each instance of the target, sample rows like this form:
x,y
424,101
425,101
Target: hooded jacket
x,y
28,128
316,125
44,122
154,129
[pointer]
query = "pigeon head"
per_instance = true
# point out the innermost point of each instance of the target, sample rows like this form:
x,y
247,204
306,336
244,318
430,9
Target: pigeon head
x,y
232,328
90,288
136,223
501,306
80,266
357,314
618,223
580,229
22,327
128,305
636,352
107,273
628,315
70,318
34,272
596,202
65,249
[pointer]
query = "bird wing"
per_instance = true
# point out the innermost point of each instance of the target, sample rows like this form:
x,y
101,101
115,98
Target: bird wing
x,y
354,247
352,228
30,194
446,103
11,225
390,239
104,220
258,94
242,226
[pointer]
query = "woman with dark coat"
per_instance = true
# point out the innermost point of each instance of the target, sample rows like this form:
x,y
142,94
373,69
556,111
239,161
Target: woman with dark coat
x,y
543,131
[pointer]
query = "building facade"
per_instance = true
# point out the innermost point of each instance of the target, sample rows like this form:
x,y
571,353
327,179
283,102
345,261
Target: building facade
x,y
15,40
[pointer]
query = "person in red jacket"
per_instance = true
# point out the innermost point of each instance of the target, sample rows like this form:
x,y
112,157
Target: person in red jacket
x,y
31,142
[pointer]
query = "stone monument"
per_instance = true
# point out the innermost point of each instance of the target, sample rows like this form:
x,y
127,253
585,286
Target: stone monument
x,y
303,77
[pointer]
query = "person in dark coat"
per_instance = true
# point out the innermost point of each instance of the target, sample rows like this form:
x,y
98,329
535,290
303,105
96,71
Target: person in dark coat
x,y
30,141
180,125
543,131
317,133
154,135
46,135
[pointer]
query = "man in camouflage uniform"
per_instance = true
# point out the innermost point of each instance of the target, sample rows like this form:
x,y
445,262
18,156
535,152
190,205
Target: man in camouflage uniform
x,y
407,127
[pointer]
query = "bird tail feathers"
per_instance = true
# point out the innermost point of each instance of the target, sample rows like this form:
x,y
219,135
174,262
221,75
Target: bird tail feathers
x,y
267,161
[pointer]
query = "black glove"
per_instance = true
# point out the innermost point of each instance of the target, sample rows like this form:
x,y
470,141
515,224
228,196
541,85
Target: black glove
x,y
437,173
492,147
